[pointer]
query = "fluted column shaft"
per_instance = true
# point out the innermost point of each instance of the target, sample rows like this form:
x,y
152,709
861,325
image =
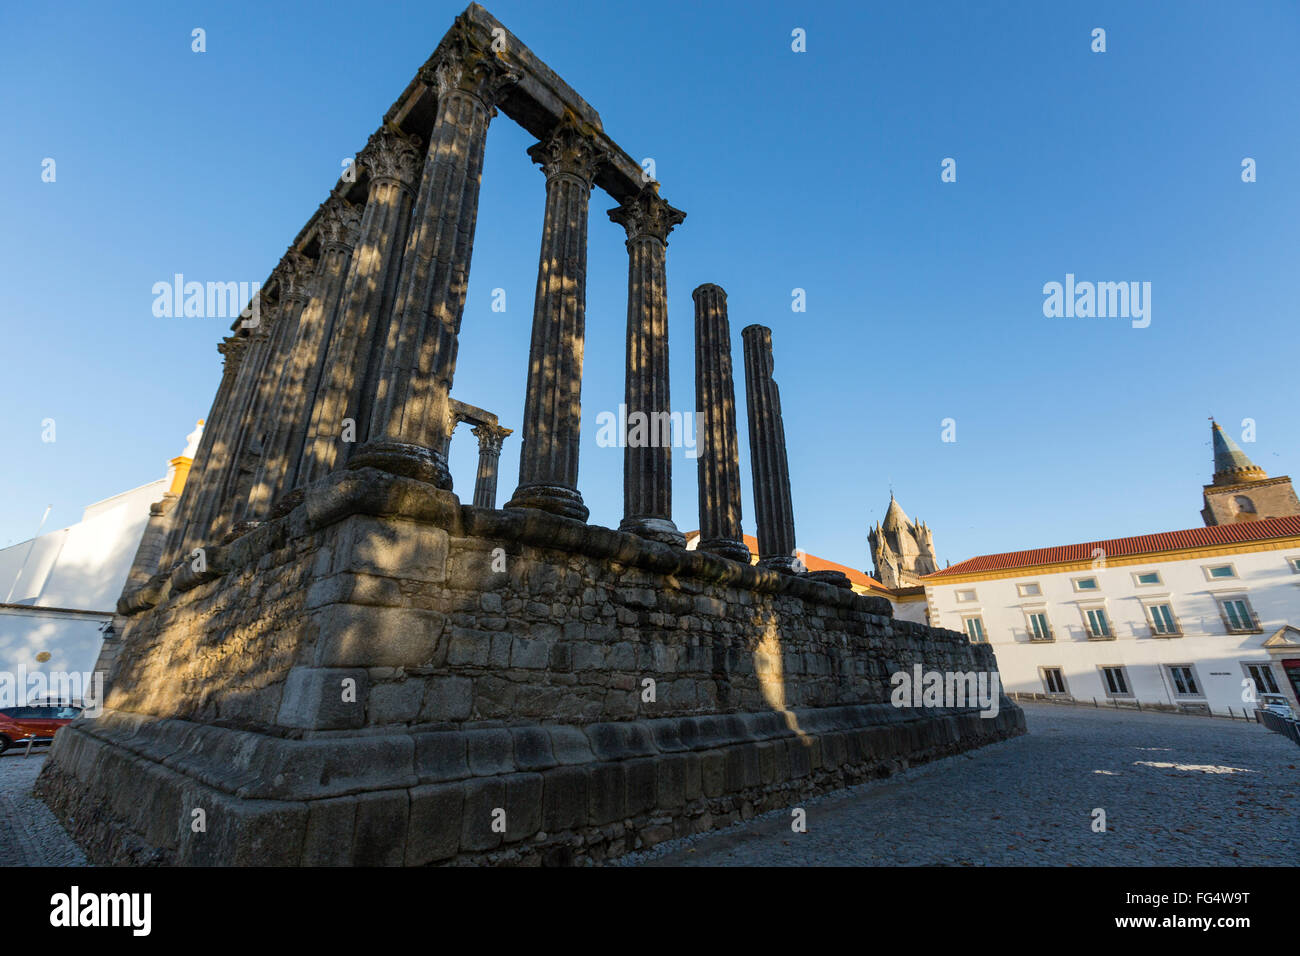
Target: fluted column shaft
x,y
418,361
392,160
281,455
718,443
489,438
773,509
648,464
180,538
548,458
294,282
210,500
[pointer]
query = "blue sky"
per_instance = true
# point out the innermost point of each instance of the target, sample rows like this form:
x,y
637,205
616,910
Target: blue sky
x,y
816,170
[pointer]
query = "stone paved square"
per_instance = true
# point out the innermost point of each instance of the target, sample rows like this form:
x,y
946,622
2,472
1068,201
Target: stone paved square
x,y
1177,791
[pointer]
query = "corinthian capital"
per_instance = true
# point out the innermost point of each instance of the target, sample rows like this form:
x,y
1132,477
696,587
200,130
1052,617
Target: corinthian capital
x,y
646,215
391,156
571,148
295,271
232,348
462,64
490,437
339,223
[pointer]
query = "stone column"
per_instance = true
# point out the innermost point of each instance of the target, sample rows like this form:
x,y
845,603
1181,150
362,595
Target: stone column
x,y
214,514
185,531
418,360
548,458
337,228
773,509
648,464
717,441
293,282
489,452
391,160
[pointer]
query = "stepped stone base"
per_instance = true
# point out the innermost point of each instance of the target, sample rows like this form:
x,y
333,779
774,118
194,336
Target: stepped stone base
x,y
382,676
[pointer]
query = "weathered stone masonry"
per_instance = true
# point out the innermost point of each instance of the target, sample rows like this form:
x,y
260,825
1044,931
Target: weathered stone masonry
x,y
480,689
342,664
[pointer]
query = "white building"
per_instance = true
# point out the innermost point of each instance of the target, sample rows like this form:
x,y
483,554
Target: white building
x,y
1180,619
59,591
1192,620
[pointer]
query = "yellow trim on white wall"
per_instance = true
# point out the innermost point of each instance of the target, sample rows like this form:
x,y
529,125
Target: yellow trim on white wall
x,y
1149,557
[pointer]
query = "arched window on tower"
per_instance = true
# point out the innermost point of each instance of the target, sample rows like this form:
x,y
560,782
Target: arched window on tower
x,y
1244,505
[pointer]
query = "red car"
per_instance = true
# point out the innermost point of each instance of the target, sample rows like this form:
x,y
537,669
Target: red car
x,y
41,721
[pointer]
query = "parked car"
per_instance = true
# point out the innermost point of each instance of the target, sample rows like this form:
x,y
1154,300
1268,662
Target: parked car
x,y
39,721
1277,704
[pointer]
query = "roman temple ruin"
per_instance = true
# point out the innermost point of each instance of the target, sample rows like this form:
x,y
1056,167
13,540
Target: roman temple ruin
x,y
327,658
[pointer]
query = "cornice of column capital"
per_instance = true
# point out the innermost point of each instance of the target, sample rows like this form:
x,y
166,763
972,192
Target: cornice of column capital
x,y
490,436
570,148
269,312
391,156
647,215
295,271
232,348
339,224
462,64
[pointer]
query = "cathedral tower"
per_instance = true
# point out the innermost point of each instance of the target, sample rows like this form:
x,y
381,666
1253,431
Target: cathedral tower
x,y
1240,490
902,549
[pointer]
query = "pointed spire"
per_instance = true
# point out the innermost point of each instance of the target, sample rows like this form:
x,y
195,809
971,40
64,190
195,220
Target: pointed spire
x,y
895,517
1231,465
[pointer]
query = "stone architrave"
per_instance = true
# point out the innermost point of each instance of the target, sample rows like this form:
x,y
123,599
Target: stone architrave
x,y
718,442
418,355
392,160
773,509
548,459
647,452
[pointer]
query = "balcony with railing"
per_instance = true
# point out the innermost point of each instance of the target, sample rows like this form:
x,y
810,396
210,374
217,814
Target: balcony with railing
x,y
1040,634
1165,630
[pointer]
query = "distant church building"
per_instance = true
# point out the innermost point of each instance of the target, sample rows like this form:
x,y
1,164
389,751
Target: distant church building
x,y
1241,491
902,549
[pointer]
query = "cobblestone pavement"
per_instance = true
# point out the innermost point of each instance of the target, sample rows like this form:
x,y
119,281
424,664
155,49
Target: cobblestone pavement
x,y
30,835
1177,790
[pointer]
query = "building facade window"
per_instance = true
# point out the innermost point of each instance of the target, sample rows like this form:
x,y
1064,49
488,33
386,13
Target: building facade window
x,y
1145,578
1183,678
1262,675
1238,616
965,596
974,629
1053,680
1294,564
1038,626
1029,589
1161,619
1085,584
1217,572
1097,624
1115,681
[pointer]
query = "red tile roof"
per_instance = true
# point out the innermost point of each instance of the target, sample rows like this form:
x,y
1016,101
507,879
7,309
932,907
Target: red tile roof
x,y
1285,527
